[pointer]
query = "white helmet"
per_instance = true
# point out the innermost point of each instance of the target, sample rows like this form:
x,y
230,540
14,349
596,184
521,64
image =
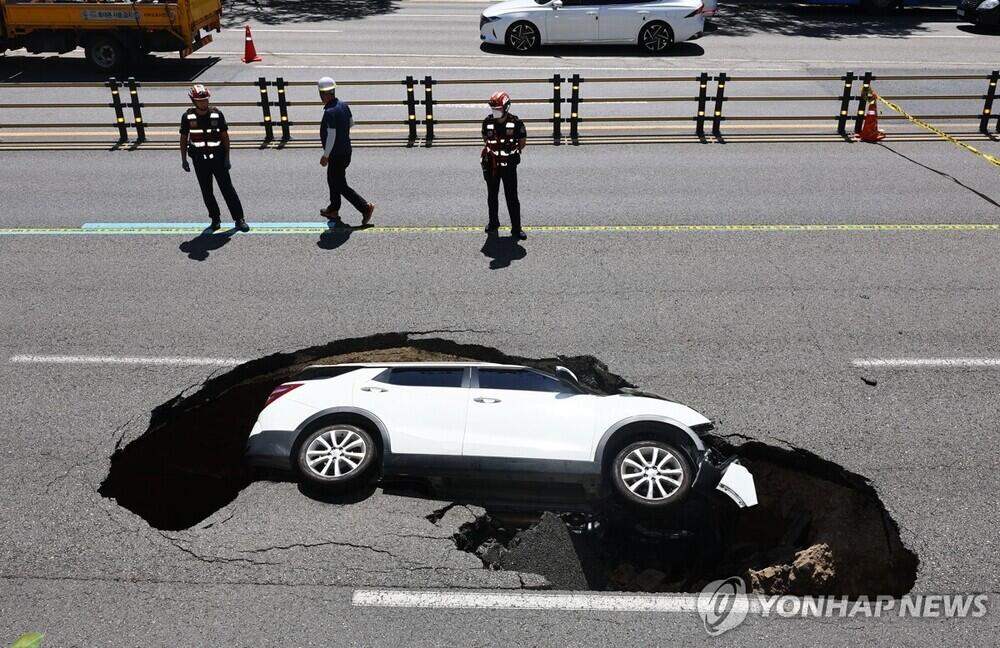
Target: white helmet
x,y
326,84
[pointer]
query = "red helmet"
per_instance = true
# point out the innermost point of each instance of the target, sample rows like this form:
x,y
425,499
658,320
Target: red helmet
x,y
500,100
198,91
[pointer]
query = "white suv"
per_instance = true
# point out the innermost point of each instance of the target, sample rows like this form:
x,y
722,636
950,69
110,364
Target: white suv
x,y
513,434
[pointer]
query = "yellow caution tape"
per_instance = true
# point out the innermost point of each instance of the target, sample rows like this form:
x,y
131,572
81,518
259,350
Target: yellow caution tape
x,y
971,149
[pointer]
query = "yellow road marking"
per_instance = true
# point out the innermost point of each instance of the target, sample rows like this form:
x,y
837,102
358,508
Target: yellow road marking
x,y
447,229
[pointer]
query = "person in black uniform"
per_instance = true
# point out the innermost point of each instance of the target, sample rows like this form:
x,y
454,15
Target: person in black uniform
x,y
205,137
505,137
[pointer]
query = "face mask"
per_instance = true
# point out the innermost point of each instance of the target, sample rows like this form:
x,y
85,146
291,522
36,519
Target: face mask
x,y
497,113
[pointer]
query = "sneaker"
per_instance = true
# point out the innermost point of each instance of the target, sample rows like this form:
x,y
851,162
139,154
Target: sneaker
x,y
520,235
329,213
492,227
215,224
368,214
242,226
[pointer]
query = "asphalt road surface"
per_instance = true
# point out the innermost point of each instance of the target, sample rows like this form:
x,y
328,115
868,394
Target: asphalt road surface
x,y
769,276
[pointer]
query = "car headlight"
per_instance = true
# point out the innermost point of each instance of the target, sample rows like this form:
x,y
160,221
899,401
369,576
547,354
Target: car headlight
x,y
487,19
990,4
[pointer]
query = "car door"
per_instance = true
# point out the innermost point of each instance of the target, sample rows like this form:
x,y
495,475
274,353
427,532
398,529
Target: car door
x,y
422,408
577,21
621,20
520,413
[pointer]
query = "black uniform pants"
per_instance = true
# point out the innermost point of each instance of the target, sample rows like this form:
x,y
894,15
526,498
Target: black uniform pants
x,y
336,177
507,176
206,169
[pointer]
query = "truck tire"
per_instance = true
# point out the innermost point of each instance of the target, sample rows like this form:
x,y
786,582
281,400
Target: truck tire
x,y
106,53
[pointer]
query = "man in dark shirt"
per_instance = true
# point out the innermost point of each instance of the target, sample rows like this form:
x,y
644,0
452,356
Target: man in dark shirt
x,y
205,137
505,137
335,135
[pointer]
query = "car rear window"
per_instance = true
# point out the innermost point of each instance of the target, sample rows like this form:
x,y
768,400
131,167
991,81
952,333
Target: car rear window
x,y
426,377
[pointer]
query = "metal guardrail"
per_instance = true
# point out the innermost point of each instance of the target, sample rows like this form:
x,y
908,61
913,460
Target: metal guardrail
x,y
709,98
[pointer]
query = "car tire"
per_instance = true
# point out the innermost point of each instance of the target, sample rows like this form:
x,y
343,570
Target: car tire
x,y
337,455
523,37
636,485
881,6
656,37
106,53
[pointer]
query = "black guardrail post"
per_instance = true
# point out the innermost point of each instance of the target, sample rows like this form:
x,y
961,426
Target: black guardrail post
x,y
574,108
116,103
411,109
991,93
429,108
866,89
845,103
286,133
556,109
702,99
140,127
720,97
265,108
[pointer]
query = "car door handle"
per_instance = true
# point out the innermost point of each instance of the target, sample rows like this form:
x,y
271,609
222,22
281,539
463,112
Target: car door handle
x,y
374,389
643,13
591,13
486,400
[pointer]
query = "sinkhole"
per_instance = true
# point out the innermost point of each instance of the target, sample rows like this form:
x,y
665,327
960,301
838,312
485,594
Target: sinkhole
x,y
819,528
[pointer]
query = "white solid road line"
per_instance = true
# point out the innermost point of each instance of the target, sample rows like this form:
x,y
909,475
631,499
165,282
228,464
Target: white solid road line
x,y
930,363
534,601
126,360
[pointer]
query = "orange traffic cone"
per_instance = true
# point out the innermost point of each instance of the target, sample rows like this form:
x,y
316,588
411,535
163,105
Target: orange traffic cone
x,y
869,128
249,51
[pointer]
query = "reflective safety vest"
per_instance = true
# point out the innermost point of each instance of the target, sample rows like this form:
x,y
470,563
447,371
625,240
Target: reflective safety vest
x,y
204,132
502,136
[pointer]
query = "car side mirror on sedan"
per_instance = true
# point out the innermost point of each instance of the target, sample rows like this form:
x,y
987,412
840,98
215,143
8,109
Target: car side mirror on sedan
x,y
557,4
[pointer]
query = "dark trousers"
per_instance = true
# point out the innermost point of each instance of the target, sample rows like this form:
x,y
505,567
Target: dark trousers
x,y
216,167
336,177
508,176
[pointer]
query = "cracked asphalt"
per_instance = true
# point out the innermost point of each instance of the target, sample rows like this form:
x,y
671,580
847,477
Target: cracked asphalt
x,y
756,329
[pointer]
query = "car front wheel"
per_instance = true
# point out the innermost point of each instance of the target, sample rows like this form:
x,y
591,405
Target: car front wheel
x,y
655,37
651,474
523,37
105,53
337,455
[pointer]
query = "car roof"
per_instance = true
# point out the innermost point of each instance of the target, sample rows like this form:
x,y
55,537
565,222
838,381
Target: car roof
x,y
421,364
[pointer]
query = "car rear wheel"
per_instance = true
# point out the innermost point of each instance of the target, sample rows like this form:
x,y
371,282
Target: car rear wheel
x,y
337,455
523,37
651,474
656,37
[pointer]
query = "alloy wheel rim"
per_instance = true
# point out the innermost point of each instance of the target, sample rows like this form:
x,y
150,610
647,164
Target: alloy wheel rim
x,y
652,473
656,38
336,453
522,38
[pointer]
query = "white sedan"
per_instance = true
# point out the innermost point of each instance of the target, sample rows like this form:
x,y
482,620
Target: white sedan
x,y
517,435
524,25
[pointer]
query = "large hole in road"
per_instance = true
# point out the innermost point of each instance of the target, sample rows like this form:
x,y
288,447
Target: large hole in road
x,y
819,529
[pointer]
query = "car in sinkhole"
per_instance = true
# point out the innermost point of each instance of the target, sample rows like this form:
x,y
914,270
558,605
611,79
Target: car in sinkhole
x,y
507,435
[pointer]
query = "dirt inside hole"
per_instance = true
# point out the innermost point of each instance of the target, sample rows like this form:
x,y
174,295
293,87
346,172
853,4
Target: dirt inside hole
x,y
818,528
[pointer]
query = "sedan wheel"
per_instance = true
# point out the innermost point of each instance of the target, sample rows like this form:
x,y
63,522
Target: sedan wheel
x,y
523,37
651,474
337,454
655,37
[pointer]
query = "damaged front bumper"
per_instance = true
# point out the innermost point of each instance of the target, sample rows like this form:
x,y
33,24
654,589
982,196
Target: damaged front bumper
x,y
729,477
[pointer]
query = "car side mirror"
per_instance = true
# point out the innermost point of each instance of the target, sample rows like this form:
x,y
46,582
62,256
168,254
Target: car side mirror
x,y
557,4
563,371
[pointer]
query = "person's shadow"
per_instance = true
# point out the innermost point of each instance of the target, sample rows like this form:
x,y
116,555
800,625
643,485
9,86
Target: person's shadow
x,y
502,250
334,236
200,247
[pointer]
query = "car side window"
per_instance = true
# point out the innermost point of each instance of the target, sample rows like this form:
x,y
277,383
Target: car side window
x,y
520,379
413,377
